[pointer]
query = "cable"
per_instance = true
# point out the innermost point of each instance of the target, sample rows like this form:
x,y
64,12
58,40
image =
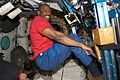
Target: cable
x,y
62,71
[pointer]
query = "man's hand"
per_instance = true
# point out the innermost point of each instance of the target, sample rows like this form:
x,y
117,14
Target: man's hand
x,y
88,50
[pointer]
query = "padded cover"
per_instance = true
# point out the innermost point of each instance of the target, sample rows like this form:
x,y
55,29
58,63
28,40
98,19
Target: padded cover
x,y
7,25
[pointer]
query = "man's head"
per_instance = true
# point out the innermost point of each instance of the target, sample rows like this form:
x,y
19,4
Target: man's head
x,y
44,11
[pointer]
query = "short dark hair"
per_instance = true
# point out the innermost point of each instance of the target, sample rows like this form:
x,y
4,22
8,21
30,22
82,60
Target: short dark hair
x,y
41,5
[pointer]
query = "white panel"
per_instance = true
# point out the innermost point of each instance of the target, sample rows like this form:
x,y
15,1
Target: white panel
x,y
55,6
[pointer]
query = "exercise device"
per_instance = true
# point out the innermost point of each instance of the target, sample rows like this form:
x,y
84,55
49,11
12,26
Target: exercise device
x,y
107,53
114,14
71,18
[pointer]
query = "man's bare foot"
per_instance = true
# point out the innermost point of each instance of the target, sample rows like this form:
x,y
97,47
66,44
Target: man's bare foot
x,y
23,76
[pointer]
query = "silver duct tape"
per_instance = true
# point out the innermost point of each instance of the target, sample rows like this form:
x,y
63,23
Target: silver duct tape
x,y
6,8
14,13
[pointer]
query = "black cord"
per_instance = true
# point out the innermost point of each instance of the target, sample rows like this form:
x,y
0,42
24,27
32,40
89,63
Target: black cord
x,y
62,71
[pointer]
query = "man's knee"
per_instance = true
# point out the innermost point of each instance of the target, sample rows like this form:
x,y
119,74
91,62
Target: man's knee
x,y
76,37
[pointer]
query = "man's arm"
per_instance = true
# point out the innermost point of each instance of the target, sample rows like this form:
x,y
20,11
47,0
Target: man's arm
x,y
64,39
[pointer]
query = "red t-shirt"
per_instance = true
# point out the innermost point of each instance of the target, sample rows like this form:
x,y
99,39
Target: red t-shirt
x,y
39,42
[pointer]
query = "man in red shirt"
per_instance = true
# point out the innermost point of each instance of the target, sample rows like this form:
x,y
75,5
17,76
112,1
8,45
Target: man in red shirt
x,y
51,47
